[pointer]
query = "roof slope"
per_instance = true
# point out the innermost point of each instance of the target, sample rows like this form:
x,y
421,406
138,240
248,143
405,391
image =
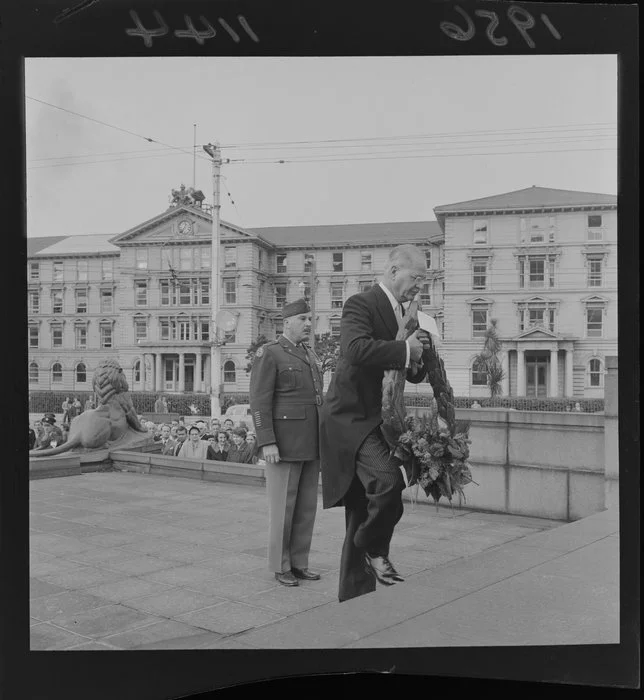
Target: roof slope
x,y
349,233
71,245
530,198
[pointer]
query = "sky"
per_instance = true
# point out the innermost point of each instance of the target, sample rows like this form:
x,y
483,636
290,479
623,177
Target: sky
x,y
386,138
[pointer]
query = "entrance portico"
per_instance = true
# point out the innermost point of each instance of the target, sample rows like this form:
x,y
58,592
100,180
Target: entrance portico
x,y
534,366
184,368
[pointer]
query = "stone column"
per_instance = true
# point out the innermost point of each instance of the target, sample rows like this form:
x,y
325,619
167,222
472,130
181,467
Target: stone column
x,y
611,433
144,371
569,373
182,371
505,366
159,373
554,373
198,387
152,373
207,372
520,372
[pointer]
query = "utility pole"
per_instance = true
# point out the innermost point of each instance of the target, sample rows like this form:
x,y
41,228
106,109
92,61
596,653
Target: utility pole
x,y
215,348
194,155
313,284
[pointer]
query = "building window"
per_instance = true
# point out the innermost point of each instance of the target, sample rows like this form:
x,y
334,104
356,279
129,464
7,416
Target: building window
x,y
229,372
230,292
140,293
595,373
34,272
57,302
81,301
538,229
595,272
428,259
33,373
164,286
107,270
107,301
183,329
334,325
479,374
56,372
260,259
479,274
205,292
205,330
57,336
81,373
279,328
480,232
185,293
57,275
280,261
81,270
595,221
306,290
141,259
366,262
364,285
230,336
106,336
594,321
337,291
185,258
34,302
280,295
426,295
136,376
230,257
539,271
81,337
34,336
309,262
140,329
479,321
338,262
206,258
164,327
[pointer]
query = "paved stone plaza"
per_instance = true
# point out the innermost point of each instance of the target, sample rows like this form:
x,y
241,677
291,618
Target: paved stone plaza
x,y
133,561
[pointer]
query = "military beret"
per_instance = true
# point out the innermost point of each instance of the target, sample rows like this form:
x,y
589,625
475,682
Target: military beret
x,y
299,306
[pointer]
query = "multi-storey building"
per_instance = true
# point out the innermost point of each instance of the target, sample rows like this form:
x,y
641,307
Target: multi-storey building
x,y
543,263
143,296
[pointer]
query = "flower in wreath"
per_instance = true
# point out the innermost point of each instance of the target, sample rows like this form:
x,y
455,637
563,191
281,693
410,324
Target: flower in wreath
x,y
436,449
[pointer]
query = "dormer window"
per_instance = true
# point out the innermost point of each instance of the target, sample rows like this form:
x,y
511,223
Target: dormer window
x,y
595,230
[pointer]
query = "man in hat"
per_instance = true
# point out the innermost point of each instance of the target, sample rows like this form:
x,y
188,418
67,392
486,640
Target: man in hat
x,y
52,434
286,388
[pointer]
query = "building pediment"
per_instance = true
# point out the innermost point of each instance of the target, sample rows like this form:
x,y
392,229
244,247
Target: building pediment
x,y
537,333
165,228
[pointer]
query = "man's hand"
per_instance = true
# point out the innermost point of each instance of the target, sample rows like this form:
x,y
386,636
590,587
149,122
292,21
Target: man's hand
x,y
271,453
415,348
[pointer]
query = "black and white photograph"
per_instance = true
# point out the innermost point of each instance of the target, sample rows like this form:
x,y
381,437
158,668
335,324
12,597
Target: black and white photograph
x,y
471,198
322,350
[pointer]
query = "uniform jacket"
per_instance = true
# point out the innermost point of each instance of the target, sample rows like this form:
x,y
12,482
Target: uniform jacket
x,y
286,390
353,403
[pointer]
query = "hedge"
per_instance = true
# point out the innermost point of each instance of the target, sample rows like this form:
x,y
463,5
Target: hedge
x,y
51,401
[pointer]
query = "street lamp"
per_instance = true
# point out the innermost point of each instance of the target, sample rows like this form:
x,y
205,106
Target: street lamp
x,y
215,349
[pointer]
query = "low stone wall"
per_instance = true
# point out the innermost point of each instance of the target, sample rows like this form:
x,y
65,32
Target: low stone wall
x,y
70,464
534,463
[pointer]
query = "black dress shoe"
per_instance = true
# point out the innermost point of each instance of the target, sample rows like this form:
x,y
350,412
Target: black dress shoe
x,y
305,574
286,578
382,569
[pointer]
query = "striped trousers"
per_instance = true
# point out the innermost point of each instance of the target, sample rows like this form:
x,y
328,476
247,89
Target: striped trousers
x,y
373,507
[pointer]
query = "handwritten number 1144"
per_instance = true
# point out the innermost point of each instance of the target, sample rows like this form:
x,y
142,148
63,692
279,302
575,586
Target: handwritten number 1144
x,y
519,17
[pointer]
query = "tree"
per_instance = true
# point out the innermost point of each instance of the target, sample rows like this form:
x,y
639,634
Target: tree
x,y
489,359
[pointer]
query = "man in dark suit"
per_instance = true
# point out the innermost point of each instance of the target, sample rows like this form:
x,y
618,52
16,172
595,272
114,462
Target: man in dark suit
x,y
286,389
357,470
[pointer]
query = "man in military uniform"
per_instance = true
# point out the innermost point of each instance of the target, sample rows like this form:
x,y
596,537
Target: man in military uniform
x,y
286,388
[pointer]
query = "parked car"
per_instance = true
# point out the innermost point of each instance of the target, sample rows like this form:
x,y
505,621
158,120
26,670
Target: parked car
x,y
239,412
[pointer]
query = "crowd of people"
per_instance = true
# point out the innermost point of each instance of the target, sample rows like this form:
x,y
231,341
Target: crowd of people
x,y
216,439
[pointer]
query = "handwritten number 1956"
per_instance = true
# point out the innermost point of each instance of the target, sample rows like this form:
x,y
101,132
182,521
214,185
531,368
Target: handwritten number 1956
x,y
190,32
519,17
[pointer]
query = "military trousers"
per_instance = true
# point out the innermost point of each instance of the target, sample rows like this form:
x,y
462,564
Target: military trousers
x,y
292,489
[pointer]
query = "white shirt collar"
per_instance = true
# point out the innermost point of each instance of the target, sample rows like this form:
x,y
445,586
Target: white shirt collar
x,y
395,304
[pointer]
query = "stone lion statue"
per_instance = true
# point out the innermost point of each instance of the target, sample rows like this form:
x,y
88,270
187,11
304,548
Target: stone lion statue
x,y
111,423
